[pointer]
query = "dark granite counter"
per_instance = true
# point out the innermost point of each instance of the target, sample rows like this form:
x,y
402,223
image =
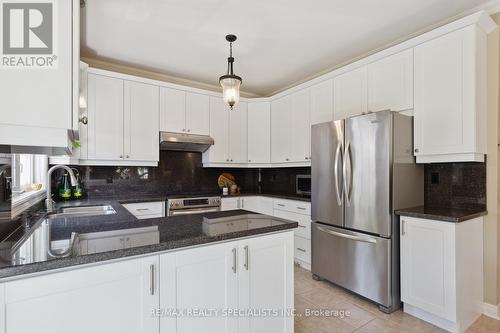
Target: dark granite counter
x,y
17,256
269,195
454,215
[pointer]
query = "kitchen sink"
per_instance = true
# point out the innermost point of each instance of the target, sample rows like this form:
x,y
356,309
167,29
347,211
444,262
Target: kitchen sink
x,y
84,211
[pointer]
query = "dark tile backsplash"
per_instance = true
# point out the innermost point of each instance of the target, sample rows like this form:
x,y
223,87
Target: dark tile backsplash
x,y
181,173
455,185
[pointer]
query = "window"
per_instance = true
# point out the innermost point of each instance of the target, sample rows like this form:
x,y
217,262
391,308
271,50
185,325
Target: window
x,y
29,178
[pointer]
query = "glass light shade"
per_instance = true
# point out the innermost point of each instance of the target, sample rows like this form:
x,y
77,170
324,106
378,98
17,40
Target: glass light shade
x,y
230,90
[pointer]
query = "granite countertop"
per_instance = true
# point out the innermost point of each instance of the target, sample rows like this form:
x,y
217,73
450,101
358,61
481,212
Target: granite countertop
x,y
277,195
157,234
454,215
126,198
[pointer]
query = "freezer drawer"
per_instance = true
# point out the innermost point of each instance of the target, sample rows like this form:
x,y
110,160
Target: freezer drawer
x,y
353,260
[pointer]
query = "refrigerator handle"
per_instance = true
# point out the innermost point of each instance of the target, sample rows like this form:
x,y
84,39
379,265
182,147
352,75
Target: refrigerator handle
x,y
336,172
347,173
352,237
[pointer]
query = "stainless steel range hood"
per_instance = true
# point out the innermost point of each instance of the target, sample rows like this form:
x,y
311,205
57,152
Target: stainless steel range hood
x,y
185,142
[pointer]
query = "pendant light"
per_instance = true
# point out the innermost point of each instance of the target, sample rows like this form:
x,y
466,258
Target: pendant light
x,y
230,83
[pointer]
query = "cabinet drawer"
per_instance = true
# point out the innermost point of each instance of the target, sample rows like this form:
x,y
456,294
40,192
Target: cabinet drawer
x,y
304,221
302,249
146,209
299,207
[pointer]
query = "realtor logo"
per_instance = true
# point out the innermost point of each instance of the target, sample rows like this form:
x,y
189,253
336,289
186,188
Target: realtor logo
x,y
28,34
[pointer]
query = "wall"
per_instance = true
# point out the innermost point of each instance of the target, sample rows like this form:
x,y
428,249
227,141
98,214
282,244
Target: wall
x,y
491,230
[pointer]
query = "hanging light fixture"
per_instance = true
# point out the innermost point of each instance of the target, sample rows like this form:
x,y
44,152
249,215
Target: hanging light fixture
x,y
230,83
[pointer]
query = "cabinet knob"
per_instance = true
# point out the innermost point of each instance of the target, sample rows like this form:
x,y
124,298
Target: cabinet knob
x,y
249,160
287,159
84,120
121,156
227,160
127,156
231,160
307,158
189,130
416,150
184,130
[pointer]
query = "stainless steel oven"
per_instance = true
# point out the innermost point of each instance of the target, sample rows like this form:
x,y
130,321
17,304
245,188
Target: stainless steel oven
x,y
185,206
303,184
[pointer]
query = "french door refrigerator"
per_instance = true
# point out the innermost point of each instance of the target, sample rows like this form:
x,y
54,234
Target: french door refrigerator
x,y
362,170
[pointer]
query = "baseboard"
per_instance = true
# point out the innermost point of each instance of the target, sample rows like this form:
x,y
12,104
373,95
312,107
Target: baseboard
x,y
492,311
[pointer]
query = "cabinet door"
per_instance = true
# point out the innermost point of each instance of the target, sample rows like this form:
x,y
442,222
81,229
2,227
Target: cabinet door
x,y
261,260
259,132
349,91
238,133
301,126
444,111
201,278
197,114
390,83
105,118
281,130
172,110
257,204
230,204
141,137
219,131
322,102
117,297
428,266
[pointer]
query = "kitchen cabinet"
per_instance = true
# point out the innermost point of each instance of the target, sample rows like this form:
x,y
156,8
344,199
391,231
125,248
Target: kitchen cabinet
x,y
450,97
390,83
172,110
238,133
105,118
322,102
230,203
116,297
236,275
184,112
259,132
350,94
442,271
258,204
146,210
228,128
40,106
281,130
141,115
122,121
300,138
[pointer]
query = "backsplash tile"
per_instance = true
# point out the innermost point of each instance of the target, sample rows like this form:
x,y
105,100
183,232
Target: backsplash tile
x,y
455,185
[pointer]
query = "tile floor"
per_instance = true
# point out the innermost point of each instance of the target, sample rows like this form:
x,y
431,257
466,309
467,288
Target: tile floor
x,y
364,316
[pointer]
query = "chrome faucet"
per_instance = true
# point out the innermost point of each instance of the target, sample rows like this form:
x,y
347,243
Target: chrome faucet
x,y
49,203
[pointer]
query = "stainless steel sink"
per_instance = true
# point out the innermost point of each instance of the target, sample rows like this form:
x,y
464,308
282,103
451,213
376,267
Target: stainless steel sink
x,y
84,211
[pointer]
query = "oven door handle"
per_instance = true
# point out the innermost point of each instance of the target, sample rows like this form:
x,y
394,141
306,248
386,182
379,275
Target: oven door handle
x,y
193,211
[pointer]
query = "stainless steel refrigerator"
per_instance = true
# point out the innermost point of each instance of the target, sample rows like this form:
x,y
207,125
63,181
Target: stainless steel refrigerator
x,y
363,169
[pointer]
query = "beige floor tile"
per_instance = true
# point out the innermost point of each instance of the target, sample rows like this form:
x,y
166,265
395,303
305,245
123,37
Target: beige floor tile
x,y
301,304
382,326
485,325
326,325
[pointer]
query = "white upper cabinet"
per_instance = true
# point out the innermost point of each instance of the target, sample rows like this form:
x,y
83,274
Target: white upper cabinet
x,y
281,130
322,102
238,133
173,110
40,105
141,136
390,83
350,94
450,97
105,118
259,132
197,113
219,125
300,138
122,122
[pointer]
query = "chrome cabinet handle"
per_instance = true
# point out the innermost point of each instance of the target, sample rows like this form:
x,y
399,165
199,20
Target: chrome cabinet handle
x,y
142,209
356,238
403,232
336,173
281,205
152,279
243,203
301,208
302,226
246,257
234,260
301,249
84,120
347,159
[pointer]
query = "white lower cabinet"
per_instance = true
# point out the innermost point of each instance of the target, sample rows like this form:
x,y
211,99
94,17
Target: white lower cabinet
x,y
442,271
116,297
240,275
230,204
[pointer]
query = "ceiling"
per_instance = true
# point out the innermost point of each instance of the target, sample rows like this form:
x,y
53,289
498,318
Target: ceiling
x,y
280,42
